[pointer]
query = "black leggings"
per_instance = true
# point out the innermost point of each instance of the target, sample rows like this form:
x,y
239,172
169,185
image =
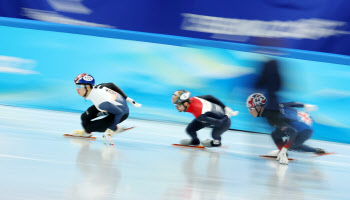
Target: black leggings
x,y
99,125
220,125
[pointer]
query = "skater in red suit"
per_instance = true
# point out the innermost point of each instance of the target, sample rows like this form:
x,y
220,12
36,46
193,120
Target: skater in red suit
x,y
208,111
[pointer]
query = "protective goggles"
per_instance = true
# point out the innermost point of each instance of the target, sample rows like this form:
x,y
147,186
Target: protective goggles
x,y
177,105
251,109
79,86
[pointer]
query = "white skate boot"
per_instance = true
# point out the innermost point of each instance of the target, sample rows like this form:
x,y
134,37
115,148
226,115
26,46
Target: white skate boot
x,y
273,153
108,135
189,142
211,143
81,133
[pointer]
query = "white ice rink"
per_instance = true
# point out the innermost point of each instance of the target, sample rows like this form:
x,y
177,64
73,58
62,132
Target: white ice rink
x,y
37,163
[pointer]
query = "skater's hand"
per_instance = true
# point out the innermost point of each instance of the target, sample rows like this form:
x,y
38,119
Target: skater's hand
x,y
229,112
282,156
131,101
309,107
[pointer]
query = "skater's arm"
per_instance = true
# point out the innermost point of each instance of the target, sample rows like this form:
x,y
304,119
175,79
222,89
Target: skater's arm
x,y
112,86
307,107
212,99
293,104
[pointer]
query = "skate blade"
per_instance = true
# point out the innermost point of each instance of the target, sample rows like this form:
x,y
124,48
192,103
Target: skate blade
x,y
127,129
191,146
323,154
275,157
70,135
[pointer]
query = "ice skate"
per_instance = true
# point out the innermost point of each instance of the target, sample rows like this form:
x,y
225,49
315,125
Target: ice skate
x,y
120,129
211,143
190,142
81,133
273,153
320,151
108,135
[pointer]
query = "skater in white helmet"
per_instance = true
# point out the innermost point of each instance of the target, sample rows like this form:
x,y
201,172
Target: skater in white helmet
x,y
108,99
208,111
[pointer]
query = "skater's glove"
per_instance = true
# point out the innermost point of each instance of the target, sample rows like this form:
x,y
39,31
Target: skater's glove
x,y
229,112
99,114
309,107
282,156
131,101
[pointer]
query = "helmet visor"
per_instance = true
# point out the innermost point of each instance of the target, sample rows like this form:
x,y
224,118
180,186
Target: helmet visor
x,y
79,86
175,99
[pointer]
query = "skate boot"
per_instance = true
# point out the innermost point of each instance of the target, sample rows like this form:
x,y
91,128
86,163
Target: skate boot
x,y
190,142
108,135
119,129
320,151
81,133
273,153
211,143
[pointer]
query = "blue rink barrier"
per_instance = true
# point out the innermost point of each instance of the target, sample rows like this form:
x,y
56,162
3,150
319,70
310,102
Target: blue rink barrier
x,y
39,61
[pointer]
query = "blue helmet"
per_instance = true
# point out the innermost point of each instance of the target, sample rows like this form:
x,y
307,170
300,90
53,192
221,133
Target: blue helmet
x,y
84,79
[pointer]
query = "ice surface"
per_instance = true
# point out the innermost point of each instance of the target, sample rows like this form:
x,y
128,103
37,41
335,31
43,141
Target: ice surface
x,y
38,163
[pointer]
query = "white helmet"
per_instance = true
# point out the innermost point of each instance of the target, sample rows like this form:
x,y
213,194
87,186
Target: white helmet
x,y
256,99
180,96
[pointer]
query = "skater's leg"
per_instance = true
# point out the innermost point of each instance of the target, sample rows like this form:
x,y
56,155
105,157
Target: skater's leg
x,y
99,125
219,130
221,124
120,112
192,129
298,144
277,137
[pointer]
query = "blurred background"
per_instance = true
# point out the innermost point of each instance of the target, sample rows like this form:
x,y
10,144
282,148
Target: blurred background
x,y
152,48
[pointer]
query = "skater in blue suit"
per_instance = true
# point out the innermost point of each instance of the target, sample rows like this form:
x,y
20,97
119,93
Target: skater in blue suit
x,y
292,127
